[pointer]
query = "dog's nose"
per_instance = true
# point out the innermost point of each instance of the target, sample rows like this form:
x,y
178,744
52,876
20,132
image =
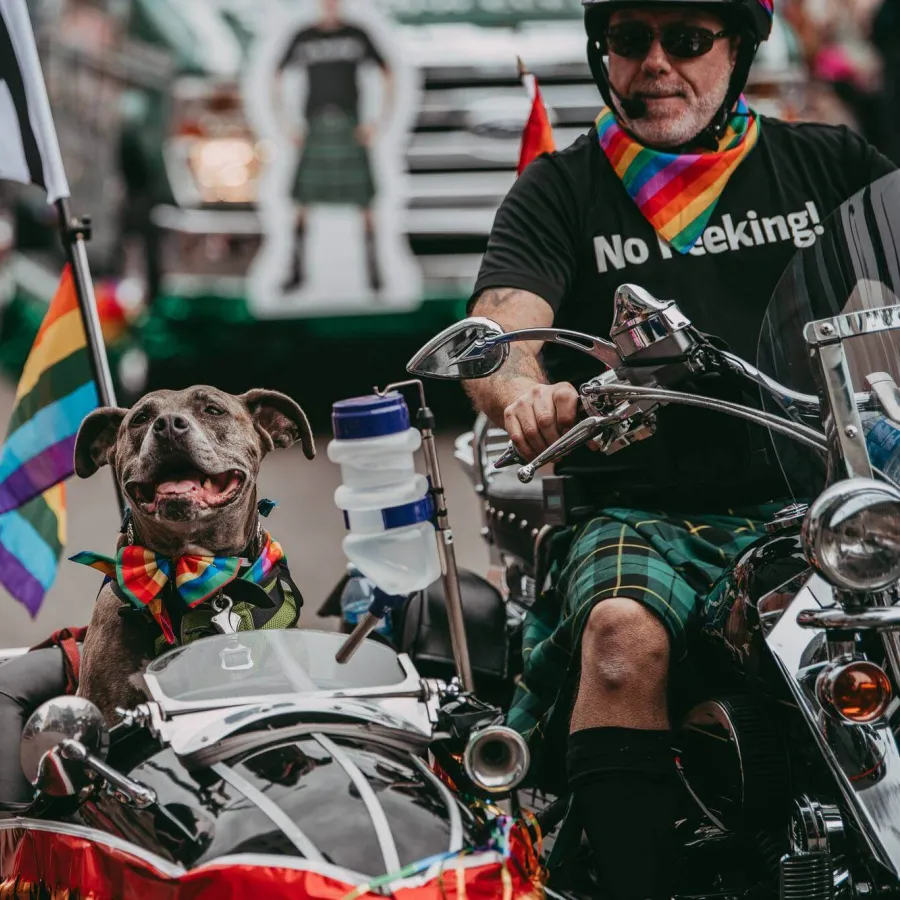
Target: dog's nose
x,y
170,425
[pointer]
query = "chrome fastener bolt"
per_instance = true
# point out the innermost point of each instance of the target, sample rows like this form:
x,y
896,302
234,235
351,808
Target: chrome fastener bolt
x,y
851,431
826,328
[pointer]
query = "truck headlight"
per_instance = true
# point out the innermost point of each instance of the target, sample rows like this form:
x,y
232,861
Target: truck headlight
x,y
225,169
851,534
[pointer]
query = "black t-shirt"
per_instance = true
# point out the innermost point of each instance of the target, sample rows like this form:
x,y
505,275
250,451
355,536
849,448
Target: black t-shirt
x,y
332,58
568,232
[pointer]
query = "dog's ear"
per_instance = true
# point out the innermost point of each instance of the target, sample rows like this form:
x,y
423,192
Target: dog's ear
x,y
96,437
279,421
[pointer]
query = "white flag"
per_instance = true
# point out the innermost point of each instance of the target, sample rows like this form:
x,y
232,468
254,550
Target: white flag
x,y
29,150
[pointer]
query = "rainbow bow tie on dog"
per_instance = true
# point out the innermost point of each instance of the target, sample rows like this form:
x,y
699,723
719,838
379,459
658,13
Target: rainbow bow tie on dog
x,y
677,192
142,574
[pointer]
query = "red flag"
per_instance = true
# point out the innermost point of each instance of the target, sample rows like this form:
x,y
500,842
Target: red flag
x,y
537,136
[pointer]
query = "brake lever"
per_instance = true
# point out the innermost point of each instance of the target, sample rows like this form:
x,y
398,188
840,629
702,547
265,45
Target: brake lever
x,y
581,433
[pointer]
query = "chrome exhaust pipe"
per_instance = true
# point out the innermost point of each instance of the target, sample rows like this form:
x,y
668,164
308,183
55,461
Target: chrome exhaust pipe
x,y
496,759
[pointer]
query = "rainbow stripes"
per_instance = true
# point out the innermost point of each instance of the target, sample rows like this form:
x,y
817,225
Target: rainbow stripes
x,y
677,193
55,392
142,574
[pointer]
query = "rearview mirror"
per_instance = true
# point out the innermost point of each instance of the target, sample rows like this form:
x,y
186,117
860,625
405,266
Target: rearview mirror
x,y
461,352
57,720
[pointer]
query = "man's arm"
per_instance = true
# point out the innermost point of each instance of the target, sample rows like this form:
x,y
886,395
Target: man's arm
x,y
519,396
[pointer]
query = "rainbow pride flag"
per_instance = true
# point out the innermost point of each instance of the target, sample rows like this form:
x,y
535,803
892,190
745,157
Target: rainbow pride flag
x,y
56,391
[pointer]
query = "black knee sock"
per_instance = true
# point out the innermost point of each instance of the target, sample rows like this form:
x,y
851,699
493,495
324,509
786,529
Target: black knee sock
x,y
296,274
372,260
626,791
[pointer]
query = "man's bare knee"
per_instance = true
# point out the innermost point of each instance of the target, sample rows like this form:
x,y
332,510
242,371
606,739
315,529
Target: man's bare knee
x,y
624,646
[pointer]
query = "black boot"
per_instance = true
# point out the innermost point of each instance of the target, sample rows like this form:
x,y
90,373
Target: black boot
x,y
627,790
295,279
372,261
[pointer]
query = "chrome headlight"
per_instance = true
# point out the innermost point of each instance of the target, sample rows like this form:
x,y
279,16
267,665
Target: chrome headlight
x,y
852,534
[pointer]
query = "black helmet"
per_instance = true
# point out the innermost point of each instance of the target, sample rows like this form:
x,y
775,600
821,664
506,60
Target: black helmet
x,y
751,19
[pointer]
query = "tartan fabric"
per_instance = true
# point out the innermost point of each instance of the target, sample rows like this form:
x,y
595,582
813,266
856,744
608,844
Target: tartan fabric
x,y
334,166
142,574
664,561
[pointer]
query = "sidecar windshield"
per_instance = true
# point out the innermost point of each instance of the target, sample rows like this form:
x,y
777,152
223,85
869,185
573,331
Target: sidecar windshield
x,y
253,665
853,268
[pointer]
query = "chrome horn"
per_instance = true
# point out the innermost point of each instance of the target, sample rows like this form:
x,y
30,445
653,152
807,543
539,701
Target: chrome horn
x,y
496,759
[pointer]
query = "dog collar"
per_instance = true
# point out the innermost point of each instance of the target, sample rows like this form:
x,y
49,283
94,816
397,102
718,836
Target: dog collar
x,y
142,574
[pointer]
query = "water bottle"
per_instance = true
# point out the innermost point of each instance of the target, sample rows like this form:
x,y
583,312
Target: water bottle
x,y
883,443
387,506
357,597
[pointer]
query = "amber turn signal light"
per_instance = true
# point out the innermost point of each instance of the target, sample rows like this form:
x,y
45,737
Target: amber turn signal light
x,y
858,690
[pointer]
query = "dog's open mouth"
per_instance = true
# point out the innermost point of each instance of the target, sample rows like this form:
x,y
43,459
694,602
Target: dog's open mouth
x,y
188,485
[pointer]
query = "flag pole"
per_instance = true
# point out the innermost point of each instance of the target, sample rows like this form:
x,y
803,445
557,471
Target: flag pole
x,y
74,232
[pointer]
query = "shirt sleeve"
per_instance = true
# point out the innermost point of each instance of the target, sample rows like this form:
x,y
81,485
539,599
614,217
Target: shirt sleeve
x,y
863,162
288,56
372,52
532,245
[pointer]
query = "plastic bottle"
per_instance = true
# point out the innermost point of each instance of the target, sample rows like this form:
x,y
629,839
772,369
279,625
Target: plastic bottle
x,y
883,443
387,505
357,597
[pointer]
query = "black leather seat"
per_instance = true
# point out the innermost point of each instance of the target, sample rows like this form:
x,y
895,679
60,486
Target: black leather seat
x,y
515,513
25,683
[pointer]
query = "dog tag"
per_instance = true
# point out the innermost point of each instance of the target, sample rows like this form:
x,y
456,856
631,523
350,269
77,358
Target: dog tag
x,y
225,621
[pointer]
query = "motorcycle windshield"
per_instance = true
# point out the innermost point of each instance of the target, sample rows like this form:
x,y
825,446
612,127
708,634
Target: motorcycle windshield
x,y
253,664
851,269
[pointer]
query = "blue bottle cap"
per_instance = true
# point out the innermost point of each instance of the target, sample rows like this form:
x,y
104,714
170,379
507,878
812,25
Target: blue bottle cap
x,y
369,416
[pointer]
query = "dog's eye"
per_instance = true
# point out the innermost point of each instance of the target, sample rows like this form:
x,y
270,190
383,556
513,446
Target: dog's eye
x,y
213,410
140,418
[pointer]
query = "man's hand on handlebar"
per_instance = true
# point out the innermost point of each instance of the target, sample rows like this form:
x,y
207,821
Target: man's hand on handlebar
x,y
540,416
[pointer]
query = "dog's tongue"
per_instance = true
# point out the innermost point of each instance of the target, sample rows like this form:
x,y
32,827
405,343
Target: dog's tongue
x,y
178,487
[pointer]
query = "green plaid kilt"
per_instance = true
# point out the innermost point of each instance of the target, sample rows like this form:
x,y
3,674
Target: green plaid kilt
x,y
666,562
334,167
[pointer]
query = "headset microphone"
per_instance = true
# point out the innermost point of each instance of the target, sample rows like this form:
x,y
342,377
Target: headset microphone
x,y
633,107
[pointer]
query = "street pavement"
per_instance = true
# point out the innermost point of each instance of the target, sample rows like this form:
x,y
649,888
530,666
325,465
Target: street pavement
x,y
306,523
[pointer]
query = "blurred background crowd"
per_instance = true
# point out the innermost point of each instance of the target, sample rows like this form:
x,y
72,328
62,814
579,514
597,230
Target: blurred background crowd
x,y
296,193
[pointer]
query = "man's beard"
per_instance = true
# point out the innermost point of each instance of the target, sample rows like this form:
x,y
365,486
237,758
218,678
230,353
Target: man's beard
x,y
672,131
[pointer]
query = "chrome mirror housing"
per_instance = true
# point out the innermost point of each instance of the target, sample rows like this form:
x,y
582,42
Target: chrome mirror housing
x,y
461,351
50,725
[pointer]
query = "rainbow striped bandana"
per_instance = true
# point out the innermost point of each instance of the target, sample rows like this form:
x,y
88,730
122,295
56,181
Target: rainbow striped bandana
x,y
677,192
142,574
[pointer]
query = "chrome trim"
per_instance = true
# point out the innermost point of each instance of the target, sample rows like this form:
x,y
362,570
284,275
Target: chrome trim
x,y
243,743
370,798
847,426
192,735
787,399
877,619
604,351
851,496
640,321
171,870
873,798
272,810
801,433
411,686
456,832
852,324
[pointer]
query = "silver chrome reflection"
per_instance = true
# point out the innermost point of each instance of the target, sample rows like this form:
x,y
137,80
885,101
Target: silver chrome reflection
x,y
497,759
852,534
863,759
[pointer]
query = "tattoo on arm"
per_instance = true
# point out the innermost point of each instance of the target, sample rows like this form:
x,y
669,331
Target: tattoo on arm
x,y
512,309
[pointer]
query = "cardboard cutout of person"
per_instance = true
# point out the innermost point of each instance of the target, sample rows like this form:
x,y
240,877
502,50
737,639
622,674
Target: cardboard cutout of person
x,y
334,164
340,168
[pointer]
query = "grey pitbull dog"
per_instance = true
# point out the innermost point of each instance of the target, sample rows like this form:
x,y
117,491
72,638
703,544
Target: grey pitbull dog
x,y
187,463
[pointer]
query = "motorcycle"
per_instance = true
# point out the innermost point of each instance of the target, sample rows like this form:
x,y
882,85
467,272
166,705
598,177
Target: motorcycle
x,y
788,749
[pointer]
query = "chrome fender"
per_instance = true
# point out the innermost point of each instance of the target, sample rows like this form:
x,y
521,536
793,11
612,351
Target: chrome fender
x,y
864,759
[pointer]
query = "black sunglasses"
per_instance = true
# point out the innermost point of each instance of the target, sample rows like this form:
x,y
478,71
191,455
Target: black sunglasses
x,y
633,40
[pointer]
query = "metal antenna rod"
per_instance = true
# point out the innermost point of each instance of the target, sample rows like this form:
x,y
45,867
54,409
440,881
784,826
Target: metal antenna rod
x,y
446,549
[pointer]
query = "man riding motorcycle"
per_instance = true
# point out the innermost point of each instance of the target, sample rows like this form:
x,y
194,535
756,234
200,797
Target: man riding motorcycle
x,y
682,189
